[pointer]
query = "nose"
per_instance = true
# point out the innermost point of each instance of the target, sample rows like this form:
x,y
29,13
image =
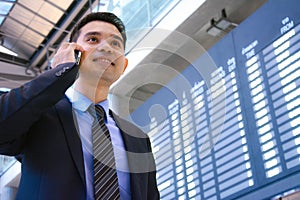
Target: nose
x,y
105,46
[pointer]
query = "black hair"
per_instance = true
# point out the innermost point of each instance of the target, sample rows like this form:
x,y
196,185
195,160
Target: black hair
x,y
99,16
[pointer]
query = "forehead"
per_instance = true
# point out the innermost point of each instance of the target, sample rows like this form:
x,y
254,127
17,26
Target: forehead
x,y
100,26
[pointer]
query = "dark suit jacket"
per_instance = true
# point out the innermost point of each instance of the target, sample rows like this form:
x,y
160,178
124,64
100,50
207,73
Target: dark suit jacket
x,y
37,126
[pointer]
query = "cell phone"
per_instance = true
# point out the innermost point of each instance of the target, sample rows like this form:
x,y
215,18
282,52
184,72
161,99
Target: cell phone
x,y
77,56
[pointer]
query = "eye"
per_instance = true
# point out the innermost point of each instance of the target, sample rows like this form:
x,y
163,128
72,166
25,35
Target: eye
x,y
92,39
116,43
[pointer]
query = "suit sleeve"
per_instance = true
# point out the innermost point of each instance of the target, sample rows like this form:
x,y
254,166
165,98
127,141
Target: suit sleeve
x,y
22,107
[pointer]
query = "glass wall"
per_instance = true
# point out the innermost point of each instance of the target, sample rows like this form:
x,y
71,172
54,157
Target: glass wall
x,y
137,14
5,163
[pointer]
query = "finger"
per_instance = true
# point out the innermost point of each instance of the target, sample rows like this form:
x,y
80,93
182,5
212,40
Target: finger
x,y
76,46
65,53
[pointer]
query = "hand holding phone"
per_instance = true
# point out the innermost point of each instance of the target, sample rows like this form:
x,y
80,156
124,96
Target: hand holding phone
x,y
77,56
66,53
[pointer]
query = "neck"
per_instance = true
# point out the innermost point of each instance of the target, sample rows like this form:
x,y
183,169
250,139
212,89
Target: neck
x,y
96,92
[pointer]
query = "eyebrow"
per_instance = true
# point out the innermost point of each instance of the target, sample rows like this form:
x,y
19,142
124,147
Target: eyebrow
x,y
99,33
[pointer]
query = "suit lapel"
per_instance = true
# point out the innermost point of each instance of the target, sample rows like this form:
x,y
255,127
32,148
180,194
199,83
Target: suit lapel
x,y
137,180
65,112
133,144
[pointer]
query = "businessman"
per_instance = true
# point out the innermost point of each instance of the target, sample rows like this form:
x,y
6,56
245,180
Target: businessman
x,y
49,123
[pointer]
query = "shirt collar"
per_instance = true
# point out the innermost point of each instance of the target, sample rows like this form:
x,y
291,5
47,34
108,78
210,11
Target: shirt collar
x,y
105,106
78,100
82,103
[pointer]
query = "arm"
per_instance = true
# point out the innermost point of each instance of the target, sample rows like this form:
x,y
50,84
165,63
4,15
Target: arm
x,y
23,106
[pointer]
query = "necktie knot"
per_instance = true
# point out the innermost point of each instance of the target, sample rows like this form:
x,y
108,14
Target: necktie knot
x,y
98,112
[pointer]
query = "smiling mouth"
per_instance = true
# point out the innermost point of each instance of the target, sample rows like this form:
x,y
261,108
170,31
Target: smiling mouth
x,y
105,60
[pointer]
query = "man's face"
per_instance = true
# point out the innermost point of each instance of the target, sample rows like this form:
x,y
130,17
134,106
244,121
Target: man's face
x,y
103,57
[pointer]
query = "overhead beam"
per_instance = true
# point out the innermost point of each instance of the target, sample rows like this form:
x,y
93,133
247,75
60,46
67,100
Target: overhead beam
x,y
39,60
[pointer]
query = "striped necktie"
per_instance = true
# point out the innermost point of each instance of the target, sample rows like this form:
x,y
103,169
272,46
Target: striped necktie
x,y
105,174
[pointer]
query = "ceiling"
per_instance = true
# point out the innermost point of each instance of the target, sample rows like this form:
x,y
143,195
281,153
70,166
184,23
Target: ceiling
x,y
34,29
29,23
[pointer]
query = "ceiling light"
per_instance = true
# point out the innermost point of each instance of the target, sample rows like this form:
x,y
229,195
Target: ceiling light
x,y
217,27
7,51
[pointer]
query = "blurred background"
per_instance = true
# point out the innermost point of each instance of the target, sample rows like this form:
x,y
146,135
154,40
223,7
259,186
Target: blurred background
x,y
213,83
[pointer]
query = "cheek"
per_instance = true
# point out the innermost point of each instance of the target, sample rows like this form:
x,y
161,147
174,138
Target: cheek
x,y
87,48
87,52
120,59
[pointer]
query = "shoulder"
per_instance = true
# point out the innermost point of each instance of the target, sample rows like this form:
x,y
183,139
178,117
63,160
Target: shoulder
x,y
128,126
134,138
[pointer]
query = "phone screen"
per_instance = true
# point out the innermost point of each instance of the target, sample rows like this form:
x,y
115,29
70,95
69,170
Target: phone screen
x,y
77,56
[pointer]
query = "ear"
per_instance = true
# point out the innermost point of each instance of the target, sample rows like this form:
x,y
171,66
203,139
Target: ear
x,y
125,64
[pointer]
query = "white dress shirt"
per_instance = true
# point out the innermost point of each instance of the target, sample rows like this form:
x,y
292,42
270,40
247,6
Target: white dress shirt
x,y
80,105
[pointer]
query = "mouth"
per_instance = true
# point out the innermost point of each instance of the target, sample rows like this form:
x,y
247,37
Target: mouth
x,y
105,61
